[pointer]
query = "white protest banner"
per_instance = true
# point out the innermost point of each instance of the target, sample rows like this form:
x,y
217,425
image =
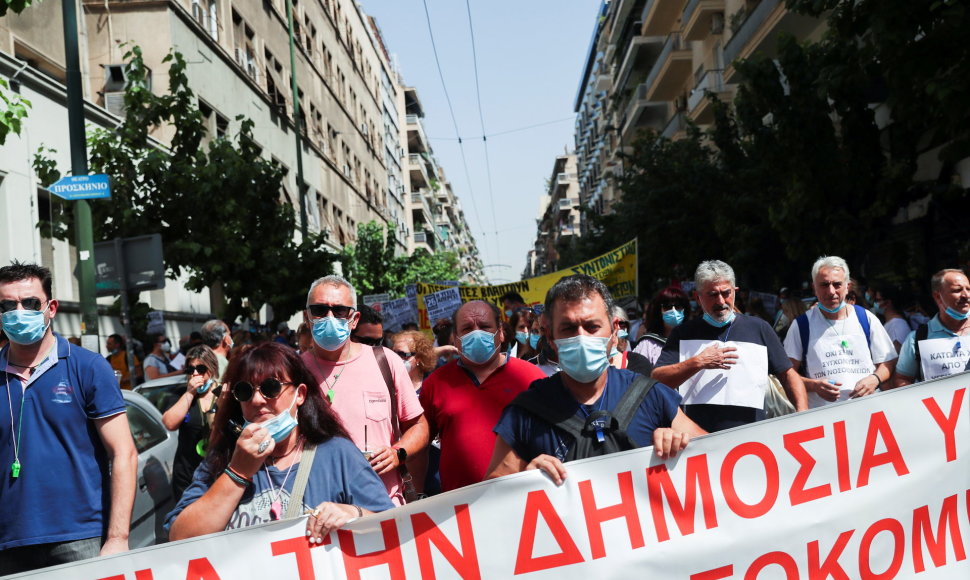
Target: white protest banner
x,y
397,312
872,488
376,300
411,291
442,304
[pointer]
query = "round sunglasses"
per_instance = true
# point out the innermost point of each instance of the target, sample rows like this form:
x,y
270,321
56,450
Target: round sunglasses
x,y
270,388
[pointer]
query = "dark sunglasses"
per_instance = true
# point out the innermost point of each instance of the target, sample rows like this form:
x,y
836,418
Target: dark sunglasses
x,y
403,355
28,303
270,388
624,324
321,310
665,306
369,341
192,369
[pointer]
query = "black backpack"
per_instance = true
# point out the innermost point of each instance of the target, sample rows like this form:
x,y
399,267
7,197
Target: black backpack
x,y
545,401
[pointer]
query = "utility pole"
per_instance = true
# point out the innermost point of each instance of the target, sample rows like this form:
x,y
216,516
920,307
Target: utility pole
x,y
84,237
296,122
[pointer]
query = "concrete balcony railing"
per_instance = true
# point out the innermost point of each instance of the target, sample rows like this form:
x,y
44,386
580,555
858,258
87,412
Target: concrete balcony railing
x,y
673,66
642,112
659,16
756,30
711,80
702,18
676,125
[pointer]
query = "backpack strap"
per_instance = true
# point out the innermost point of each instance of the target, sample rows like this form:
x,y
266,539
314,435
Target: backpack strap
x,y
922,332
299,484
544,402
860,313
631,400
391,387
802,324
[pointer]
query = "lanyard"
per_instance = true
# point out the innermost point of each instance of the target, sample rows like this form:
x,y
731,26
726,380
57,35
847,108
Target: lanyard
x,y
15,466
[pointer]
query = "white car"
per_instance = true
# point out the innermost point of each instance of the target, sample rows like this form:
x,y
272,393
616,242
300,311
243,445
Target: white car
x,y
156,447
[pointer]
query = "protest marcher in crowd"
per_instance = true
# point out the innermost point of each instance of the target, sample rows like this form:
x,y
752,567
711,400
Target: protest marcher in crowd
x,y
622,357
190,411
420,358
546,358
756,307
790,309
118,359
442,330
665,312
521,323
844,349
579,412
284,428
368,387
215,335
721,362
886,302
370,327
157,363
68,457
282,333
510,302
941,346
464,398
304,340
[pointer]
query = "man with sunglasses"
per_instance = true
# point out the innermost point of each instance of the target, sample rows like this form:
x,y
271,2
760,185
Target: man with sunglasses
x,y
64,437
720,363
352,379
370,327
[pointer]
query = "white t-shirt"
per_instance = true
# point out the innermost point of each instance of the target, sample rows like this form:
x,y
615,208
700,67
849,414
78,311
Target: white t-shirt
x,y
837,350
898,329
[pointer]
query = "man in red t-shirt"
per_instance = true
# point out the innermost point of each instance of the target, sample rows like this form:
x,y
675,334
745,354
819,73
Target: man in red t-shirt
x,y
464,399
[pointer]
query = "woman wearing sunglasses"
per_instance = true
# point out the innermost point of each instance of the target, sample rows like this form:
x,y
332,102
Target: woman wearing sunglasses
x,y
190,411
270,432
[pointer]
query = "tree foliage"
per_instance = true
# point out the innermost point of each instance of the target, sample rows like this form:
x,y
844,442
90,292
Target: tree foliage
x,y
12,109
799,166
15,6
372,267
217,206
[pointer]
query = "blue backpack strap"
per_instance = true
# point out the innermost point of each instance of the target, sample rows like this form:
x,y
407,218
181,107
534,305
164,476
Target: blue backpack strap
x,y
860,313
802,323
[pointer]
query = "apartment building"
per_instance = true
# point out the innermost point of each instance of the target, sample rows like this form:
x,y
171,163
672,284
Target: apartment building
x,y
558,219
351,120
650,65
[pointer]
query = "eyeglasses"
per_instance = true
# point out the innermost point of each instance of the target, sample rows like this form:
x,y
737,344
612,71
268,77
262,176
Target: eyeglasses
x,y
321,310
368,340
192,369
28,304
665,306
725,294
404,355
624,324
270,388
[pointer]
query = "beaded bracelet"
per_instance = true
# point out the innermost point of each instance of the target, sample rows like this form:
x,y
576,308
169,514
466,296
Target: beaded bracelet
x,y
237,478
360,512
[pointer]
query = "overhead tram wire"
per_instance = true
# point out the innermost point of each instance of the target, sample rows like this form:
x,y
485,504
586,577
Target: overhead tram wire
x,y
515,130
454,121
481,118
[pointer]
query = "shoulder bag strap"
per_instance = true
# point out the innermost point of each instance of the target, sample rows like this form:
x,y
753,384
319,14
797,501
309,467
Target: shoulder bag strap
x,y
391,387
627,407
922,332
299,484
860,313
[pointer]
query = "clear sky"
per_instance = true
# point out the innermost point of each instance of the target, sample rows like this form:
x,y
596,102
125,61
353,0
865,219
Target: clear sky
x,y
530,56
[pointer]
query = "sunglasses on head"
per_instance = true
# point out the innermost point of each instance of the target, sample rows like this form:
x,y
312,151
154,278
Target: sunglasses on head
x,y
369,341
321,310
270,388
192,369
28,303
403,355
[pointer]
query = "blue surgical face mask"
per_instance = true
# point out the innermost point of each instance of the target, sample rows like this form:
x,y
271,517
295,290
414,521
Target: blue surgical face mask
x,y
877,309
25,326
831,310
693,305
719,323
950,312
478,346
508,313
280,425
331,333
621,334
583,358
205,388
673,317
534,340
522,337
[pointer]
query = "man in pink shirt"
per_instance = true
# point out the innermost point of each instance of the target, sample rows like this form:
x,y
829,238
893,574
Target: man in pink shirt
x,y
465,398
351,378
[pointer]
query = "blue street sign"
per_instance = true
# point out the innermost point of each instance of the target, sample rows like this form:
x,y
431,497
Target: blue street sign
x,y
82,187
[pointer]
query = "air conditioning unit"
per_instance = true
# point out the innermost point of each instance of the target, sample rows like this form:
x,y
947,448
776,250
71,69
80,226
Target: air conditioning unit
x,y
115,78
198,12
717,23
346,171
680,103
252,71
240,56
114,102
363,128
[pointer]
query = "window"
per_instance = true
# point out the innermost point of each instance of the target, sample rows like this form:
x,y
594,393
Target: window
x,y
146,432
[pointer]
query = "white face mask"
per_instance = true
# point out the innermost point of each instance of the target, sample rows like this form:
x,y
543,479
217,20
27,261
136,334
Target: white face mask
x,y
408,365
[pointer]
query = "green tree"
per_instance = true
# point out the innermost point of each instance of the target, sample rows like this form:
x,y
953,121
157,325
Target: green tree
x,y
218,207
15,6
372,267
12,109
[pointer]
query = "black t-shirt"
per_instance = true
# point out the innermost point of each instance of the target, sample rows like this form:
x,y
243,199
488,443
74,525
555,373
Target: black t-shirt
x,y
192,430
744,329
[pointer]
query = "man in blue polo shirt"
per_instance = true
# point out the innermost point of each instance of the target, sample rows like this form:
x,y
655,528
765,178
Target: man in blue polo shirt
x,y
943,342
62,426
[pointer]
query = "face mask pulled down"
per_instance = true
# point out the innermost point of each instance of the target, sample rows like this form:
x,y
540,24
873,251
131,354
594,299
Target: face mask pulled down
x,y
279,426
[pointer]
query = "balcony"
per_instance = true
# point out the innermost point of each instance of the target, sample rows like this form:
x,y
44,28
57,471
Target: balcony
x,y
755,29
568,204
699,107
702,18
666,78
676,127
424,240
417,140
418,171
642,112
568,230
659,16
640,55
421,211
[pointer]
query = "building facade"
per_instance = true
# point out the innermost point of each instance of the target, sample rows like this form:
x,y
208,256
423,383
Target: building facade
x,y
558,219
